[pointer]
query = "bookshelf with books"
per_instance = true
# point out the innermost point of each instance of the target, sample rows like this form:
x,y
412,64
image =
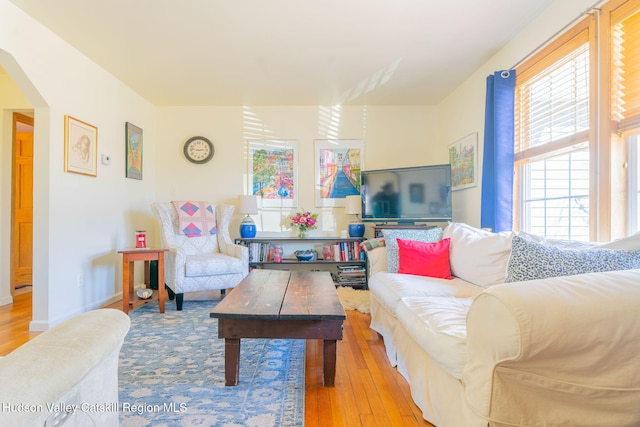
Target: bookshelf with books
x,y
342,256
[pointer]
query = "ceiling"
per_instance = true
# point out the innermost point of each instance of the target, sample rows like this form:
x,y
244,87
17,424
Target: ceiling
x,y
288,52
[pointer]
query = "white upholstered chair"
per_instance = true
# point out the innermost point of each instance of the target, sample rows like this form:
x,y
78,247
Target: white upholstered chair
x,y
202,263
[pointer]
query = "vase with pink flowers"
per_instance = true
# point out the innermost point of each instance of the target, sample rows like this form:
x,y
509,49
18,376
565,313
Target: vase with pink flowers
x,y
303,222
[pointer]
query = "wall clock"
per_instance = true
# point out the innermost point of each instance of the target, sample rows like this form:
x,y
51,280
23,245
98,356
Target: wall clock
x,y
198,150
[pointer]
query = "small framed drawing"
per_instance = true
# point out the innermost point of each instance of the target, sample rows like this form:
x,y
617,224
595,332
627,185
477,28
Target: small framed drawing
x,y
80,147
338,166
133,150
463,157
272,172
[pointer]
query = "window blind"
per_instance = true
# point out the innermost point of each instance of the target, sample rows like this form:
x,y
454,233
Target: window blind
x,y
625,64
552,101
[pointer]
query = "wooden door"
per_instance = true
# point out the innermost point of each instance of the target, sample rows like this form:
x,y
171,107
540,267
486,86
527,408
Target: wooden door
x,y
22,201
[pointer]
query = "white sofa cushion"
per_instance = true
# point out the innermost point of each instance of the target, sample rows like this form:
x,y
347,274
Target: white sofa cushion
x,y
476,255
391,287
439,326
558,243
212,264
630,243
531,260
377,259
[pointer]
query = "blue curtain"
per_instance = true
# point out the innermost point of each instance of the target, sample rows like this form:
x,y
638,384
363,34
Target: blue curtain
x,y
496,210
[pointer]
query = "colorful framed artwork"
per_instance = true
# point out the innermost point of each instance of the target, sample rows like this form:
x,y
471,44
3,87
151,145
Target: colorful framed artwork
x,y
80,147
338,166
463,157
133,150
272,169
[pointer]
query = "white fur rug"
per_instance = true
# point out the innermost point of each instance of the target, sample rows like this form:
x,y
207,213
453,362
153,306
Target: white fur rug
x,y
354,299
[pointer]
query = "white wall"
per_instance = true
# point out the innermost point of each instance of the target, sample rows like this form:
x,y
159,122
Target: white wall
x,y
395,136
462,112
79,222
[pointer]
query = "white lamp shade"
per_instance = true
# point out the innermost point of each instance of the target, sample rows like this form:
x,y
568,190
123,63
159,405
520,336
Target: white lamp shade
x,y
248,204
353,205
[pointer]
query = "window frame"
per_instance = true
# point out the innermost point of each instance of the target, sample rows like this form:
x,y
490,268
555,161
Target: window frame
x,y
633,142
582,32
610,213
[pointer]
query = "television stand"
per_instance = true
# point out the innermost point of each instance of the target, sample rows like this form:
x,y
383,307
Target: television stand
x,y
377,229
394,223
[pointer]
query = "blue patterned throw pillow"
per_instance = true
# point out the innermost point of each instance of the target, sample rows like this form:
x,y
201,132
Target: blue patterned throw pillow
x,y
532,260
391,242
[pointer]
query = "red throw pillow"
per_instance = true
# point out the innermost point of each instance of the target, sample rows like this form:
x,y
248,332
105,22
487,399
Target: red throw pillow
x,y
425,259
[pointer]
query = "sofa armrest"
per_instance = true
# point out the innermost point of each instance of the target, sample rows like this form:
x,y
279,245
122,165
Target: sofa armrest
x,y
377,258
75,362
225,243
172,259
237,251
566,347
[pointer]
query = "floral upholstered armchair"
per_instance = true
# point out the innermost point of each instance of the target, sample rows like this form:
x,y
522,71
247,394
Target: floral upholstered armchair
x,y
201,255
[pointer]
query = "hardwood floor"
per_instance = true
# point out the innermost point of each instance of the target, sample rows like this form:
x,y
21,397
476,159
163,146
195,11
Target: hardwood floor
x,y
367,392
14,323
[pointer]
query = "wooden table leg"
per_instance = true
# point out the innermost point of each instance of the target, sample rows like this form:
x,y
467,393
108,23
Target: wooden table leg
x,y
161,291
147,273
329,362
126,285
231,361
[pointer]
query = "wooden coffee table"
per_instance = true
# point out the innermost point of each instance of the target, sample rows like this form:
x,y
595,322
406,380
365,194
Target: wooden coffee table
x,y
281,304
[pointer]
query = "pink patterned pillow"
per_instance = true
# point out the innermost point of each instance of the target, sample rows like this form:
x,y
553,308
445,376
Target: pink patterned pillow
x,y
195,218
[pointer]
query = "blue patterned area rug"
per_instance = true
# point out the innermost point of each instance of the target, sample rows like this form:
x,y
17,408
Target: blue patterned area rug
x,y
171,373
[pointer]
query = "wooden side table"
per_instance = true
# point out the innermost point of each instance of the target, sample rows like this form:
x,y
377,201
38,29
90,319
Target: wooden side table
x,y
129,256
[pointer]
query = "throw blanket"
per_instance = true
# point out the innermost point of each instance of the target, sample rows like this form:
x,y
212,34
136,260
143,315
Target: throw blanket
x,y
371,244
195,218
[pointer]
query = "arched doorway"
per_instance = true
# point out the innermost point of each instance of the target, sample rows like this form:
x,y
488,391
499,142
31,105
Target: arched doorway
x,y
18,95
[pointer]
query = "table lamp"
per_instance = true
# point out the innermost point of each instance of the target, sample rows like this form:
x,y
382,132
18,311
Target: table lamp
x,y
248,206
353,206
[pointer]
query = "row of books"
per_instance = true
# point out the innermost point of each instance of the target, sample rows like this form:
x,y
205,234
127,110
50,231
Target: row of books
x,y
261,251
339,252
345,251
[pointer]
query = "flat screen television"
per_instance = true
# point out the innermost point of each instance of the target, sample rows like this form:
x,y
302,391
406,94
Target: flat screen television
x,y
407,195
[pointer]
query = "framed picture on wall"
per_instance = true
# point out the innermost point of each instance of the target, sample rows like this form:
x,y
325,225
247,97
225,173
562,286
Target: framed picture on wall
x,y
463,156
80,147
338,165
133,151
272,172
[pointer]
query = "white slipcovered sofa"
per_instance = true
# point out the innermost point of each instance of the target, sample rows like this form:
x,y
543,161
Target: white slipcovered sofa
x,y
477,351
68,375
